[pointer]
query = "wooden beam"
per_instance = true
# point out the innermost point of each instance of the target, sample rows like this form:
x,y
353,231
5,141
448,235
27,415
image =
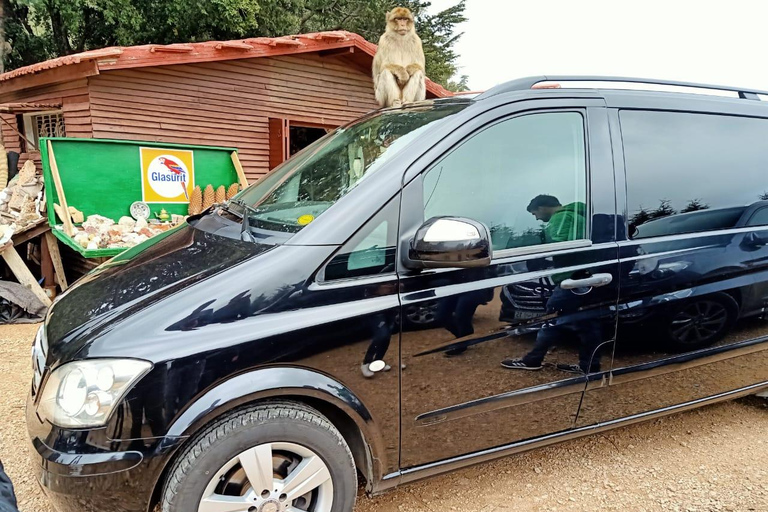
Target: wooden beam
x,y
284,41
46,264
240,172
337,51
173,48
24,236
329,36
233,45
58,265
22,273
21,108
21,135
68,227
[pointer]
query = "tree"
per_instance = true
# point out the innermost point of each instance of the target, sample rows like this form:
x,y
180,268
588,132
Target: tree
x,y
4,46
42,29
366,17
694,205
460,86
664,210
24,45
641,217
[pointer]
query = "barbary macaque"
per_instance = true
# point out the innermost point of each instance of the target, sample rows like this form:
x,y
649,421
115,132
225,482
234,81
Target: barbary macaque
x,y
398,67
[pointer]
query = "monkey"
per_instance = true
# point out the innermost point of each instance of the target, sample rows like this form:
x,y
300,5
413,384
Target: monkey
x,y
398,67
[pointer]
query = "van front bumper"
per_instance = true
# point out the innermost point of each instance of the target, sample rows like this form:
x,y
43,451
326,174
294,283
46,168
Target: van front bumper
x,y
80,473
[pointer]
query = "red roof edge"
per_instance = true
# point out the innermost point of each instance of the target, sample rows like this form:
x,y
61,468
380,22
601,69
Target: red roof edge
x,y
208,51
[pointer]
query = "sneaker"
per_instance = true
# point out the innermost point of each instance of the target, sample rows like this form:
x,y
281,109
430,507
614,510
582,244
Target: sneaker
x,y
570,368
518,364
367,373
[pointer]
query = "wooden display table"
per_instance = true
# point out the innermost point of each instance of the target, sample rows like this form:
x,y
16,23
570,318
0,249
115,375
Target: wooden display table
x,y
49,254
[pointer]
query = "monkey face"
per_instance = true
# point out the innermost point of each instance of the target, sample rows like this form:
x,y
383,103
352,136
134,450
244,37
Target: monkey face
x,y
403,25
400,20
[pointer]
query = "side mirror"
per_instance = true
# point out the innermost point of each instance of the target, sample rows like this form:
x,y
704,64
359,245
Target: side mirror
x,y
450,242
754,240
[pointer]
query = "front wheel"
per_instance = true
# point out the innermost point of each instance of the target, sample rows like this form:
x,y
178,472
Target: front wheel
x,y
278,457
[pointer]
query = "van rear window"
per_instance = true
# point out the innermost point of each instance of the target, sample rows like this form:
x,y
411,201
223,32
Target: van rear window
x,y
690,173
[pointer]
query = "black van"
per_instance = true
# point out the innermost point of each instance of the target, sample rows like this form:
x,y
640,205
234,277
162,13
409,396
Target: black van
x,y
426,288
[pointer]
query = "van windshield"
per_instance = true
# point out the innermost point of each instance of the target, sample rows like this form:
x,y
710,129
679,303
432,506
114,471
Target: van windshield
x,y
296,192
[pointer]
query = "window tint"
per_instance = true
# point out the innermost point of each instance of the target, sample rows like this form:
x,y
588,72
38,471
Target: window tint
x,y
692,172
372,250
524,178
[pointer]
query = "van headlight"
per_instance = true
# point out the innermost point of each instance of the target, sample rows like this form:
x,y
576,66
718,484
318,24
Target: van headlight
x,y
83,393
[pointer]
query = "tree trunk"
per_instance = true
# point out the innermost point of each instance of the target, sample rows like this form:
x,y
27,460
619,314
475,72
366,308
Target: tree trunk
x,y
59,30
3,44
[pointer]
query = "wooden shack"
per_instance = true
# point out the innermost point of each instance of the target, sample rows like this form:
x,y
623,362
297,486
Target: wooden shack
x,y
268,97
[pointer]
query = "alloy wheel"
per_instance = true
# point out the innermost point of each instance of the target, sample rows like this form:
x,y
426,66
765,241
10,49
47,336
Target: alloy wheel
x,y
699,322
272,477
422,314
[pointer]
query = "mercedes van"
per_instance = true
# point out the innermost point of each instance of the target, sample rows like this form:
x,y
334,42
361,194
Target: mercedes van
x,y
426,288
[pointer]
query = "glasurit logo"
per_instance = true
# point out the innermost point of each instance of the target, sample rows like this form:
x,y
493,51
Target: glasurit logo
x,y
168,175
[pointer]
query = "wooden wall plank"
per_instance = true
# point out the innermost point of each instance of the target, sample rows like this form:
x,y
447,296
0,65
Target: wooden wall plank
x,y
74,100
227,103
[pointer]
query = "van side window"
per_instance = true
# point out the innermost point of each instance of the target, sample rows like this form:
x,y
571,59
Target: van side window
x,y
759,218
524,178
690,173
371,250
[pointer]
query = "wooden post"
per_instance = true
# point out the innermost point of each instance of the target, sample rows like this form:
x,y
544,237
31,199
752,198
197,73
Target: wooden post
x,y
240,173
46,264
58,265
22,273
67,219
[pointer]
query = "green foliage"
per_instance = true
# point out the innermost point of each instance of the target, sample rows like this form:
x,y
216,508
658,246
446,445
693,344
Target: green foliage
x,y
24,45
695,205
460,86
42,29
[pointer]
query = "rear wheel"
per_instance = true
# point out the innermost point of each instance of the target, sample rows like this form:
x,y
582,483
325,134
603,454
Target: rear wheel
x,y
278,457
700,323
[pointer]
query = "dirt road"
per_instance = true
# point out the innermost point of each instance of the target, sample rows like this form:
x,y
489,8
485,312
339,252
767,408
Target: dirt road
x,y
713,459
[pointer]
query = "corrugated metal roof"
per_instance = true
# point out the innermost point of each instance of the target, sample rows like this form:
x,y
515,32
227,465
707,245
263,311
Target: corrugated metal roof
x,y
67,60
185,53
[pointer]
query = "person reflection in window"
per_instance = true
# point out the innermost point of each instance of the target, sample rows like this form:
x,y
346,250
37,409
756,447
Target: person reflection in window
x,y
563,223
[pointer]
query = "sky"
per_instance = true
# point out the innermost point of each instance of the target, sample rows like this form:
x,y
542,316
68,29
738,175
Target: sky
x,y
707,41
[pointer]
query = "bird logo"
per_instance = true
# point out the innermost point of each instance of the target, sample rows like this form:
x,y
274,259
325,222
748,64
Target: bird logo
x,y
175,168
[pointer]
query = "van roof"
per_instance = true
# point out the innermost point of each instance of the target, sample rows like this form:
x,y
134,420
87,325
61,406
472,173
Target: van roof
x,y
615,82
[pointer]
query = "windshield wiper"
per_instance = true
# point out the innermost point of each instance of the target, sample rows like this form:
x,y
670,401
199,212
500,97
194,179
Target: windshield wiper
x,y
245,227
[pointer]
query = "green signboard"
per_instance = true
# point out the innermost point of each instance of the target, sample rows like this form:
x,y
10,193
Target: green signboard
x,y
105,177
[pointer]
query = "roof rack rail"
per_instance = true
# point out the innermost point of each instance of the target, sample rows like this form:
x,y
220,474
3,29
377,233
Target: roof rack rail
x,y
522,84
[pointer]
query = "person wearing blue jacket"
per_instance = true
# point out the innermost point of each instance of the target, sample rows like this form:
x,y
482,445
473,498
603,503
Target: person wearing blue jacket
x,y
7,497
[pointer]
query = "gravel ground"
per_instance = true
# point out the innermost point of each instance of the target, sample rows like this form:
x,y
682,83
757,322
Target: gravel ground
x,y
712,459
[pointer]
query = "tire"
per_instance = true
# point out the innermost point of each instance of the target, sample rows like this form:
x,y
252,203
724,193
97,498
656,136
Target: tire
x,y
715,315
423,315
312,459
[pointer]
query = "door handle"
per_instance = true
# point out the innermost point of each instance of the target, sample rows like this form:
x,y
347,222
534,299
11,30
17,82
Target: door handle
x,y
588,282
